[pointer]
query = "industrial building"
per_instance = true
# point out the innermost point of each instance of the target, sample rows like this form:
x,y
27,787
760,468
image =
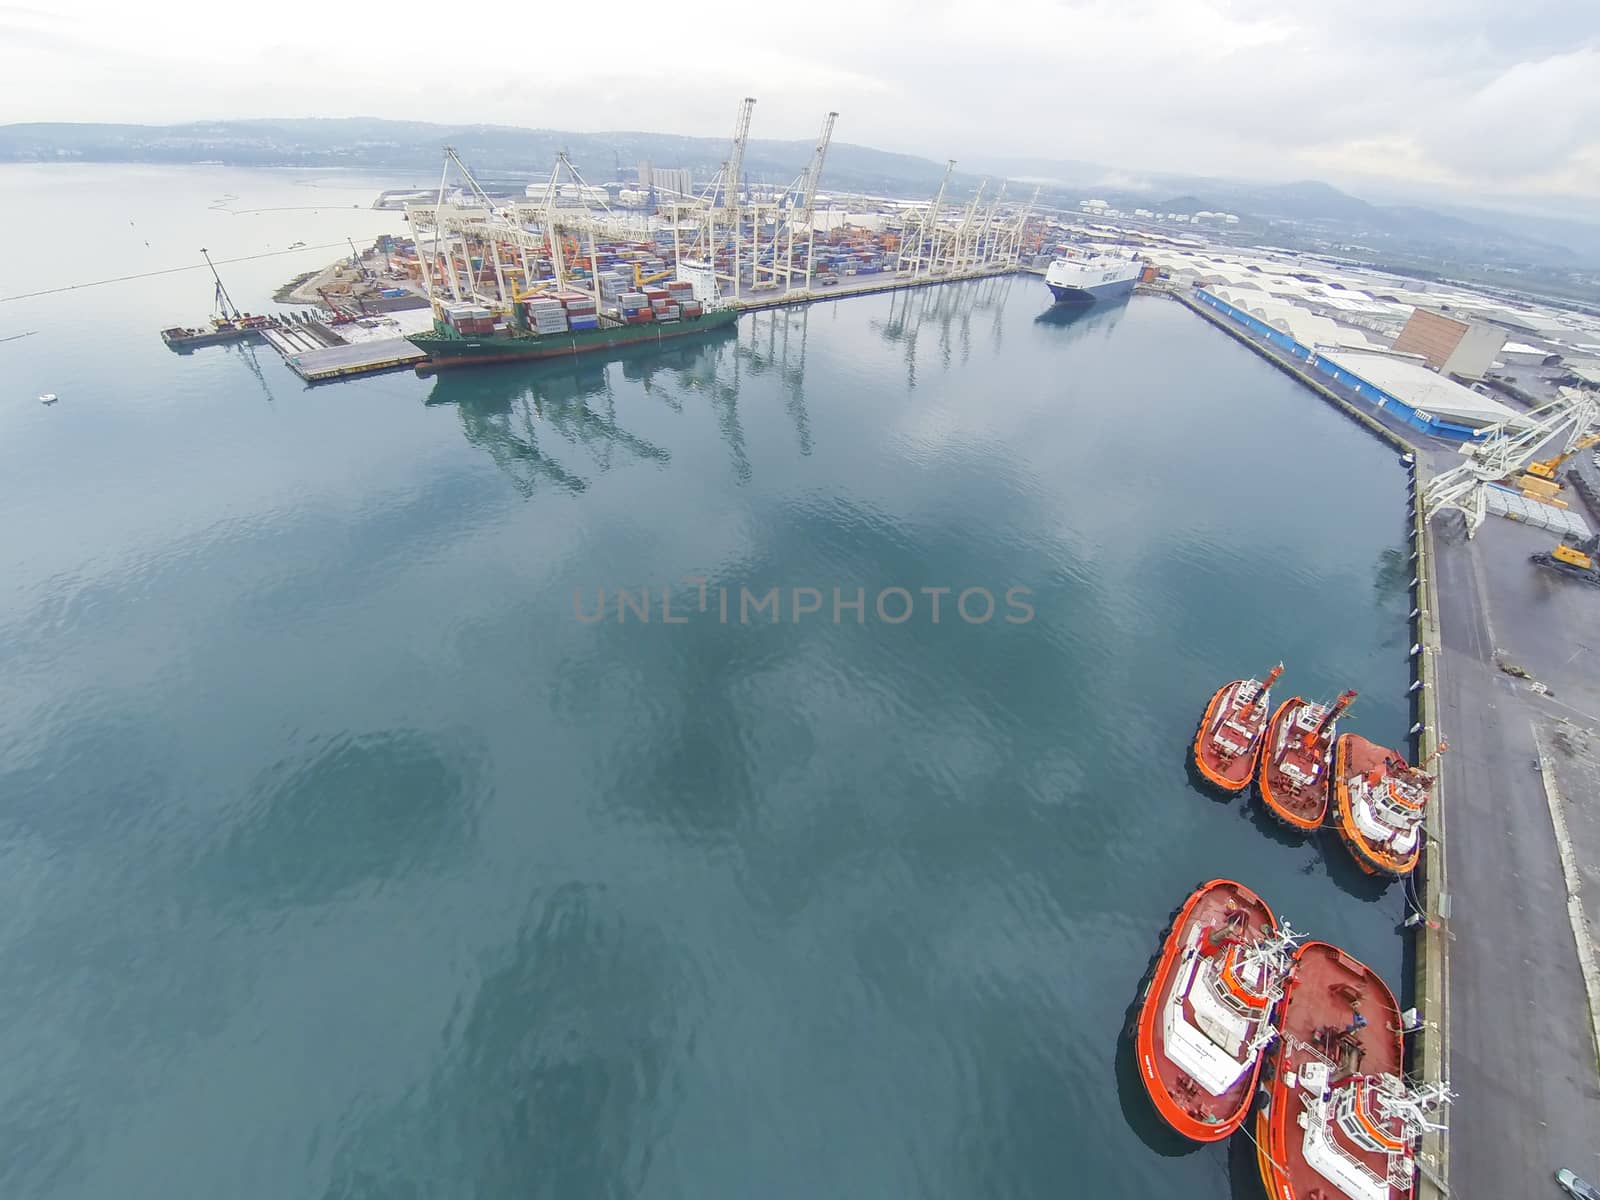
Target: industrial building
x,y
1465,349
1401,387
1299,324
674,181
1520,354
1425,400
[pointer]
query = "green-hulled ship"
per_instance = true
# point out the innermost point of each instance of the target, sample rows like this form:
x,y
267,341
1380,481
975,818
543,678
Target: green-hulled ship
x,y
445,346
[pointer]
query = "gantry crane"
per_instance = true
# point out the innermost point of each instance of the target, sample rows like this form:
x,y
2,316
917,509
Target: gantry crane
x,y
799,208
723,204
924,243
960,255
529,228
1505,449
986,230
808,197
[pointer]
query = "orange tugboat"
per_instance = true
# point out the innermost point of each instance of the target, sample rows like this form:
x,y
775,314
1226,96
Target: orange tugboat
x,y
1380,800
1339,1121
1295,760
1203,1022
1229,737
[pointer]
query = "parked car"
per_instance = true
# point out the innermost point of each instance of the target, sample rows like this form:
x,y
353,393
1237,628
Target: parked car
x,y
1575,1187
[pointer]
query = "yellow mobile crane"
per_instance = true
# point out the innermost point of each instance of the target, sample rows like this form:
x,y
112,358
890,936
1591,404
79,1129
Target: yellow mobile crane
x,y
1547,468
1574,557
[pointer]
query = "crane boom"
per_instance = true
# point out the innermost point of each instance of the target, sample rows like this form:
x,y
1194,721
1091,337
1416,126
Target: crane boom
x,y
1546,468
928,229
741,134
224,302
1503,451
813,175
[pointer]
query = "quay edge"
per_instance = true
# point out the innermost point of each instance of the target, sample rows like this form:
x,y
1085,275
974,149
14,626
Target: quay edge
x,y
1429,1047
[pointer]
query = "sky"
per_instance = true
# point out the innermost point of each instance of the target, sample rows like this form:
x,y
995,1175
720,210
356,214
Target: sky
x,y
1471,99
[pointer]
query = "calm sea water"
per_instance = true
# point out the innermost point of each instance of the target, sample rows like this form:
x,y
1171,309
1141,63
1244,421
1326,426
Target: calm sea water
x,y
338,857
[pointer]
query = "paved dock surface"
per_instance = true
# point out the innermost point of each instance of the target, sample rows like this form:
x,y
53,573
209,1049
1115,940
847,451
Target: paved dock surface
x,y
1521,1056
337,362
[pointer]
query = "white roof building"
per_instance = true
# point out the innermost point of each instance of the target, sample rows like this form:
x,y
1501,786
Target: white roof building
x,y
1424,390
1305,327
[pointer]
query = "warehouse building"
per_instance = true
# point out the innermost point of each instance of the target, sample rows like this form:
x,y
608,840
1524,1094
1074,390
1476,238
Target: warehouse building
x,y
1302,326
1520,354
1402,388
1465,349
1409,391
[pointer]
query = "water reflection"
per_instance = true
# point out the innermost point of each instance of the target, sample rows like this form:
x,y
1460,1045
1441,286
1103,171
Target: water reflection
x,y
344,812
1081,318
552,1072
513,412
777,344
944,320
246,352
1391,577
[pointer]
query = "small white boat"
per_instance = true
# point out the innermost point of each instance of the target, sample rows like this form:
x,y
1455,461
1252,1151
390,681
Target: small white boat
x,y
49,398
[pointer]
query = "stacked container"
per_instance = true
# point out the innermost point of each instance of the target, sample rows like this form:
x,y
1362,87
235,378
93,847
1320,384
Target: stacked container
x,y
469,319
581,314
636,308
547,316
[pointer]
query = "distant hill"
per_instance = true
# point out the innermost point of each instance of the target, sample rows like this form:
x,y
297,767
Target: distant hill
x,y
416,146
1307,214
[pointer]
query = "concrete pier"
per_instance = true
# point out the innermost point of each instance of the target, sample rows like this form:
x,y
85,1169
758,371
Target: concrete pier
x,y
362,358
1504,980
1428,1047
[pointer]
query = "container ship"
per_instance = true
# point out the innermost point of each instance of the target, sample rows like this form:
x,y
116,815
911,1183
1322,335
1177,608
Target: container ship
x,y
1295,761
1090,278
1380,801
562,325
1339,1121
1203,1024
1229,738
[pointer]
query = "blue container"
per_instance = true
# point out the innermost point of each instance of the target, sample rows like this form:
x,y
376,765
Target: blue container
x,y
584,323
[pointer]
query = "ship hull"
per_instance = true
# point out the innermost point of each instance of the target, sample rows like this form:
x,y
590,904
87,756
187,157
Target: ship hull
x,y
1318,999
455,350
1199,1116
1100,292
182,344
1354,755
1231,774
1303,809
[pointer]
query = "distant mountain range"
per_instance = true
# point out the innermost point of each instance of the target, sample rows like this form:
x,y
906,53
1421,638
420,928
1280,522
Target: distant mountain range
x,y
1308,215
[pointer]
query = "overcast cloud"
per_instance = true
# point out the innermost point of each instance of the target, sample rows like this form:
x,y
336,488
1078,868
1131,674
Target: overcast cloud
x,y
1478,97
